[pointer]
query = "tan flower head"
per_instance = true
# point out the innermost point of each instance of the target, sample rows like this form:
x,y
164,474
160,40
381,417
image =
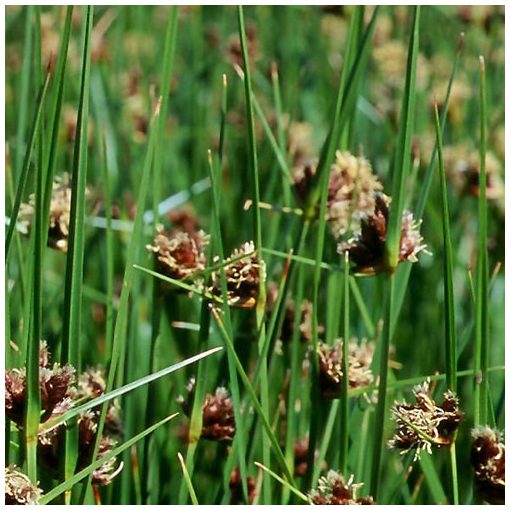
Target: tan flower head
x,y
332,490
242,276
92,384
462,164
488,460
367,247
18,488
351,190
178,254
425,424
330,363
60,213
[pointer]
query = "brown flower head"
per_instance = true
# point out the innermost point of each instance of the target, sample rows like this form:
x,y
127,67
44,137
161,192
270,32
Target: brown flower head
x,y
234,50
300,146
179,254
15,392
367,247
301,456
330,363
185,220
18,488
218,416
105,473
488,460
421,425
236,488
218,422
92,384
462,164
351,190
60,212
242,275
332,490
56,385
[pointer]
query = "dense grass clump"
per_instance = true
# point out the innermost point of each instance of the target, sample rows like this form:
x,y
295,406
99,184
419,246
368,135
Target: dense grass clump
x,y
254,256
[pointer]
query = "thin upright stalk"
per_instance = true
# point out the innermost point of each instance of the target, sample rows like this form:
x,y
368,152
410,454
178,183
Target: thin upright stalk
x,y
344,409
481,321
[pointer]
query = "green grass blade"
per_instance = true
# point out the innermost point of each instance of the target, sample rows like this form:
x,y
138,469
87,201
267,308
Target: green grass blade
x,y
36,124
187,478
56,108
482,298
344,408
24,89
285,483
256,404
110,395
78,477
403,149
32,411
71,328
257,232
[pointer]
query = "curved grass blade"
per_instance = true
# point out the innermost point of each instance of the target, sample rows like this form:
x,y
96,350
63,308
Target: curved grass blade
x,y
187,479
256,404
78,477
107,397
285,483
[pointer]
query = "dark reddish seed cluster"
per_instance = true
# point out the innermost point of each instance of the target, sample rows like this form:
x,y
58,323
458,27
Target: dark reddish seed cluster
x,y
18,488
236,488
218,421
59,394
367,248
488,460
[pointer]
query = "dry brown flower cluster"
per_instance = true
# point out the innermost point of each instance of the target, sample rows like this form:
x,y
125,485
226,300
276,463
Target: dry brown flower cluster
x,y
242,273
18,488
60,213
59,394
332,490
179,254
367,248
488,459
236,488
425,424
330,365
218,421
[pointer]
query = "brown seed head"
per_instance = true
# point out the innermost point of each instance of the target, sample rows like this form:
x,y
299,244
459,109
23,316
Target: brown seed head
x,y
330,363
179,254
242,277
488,460
236,488
18,488
332,490
425,424
218,416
